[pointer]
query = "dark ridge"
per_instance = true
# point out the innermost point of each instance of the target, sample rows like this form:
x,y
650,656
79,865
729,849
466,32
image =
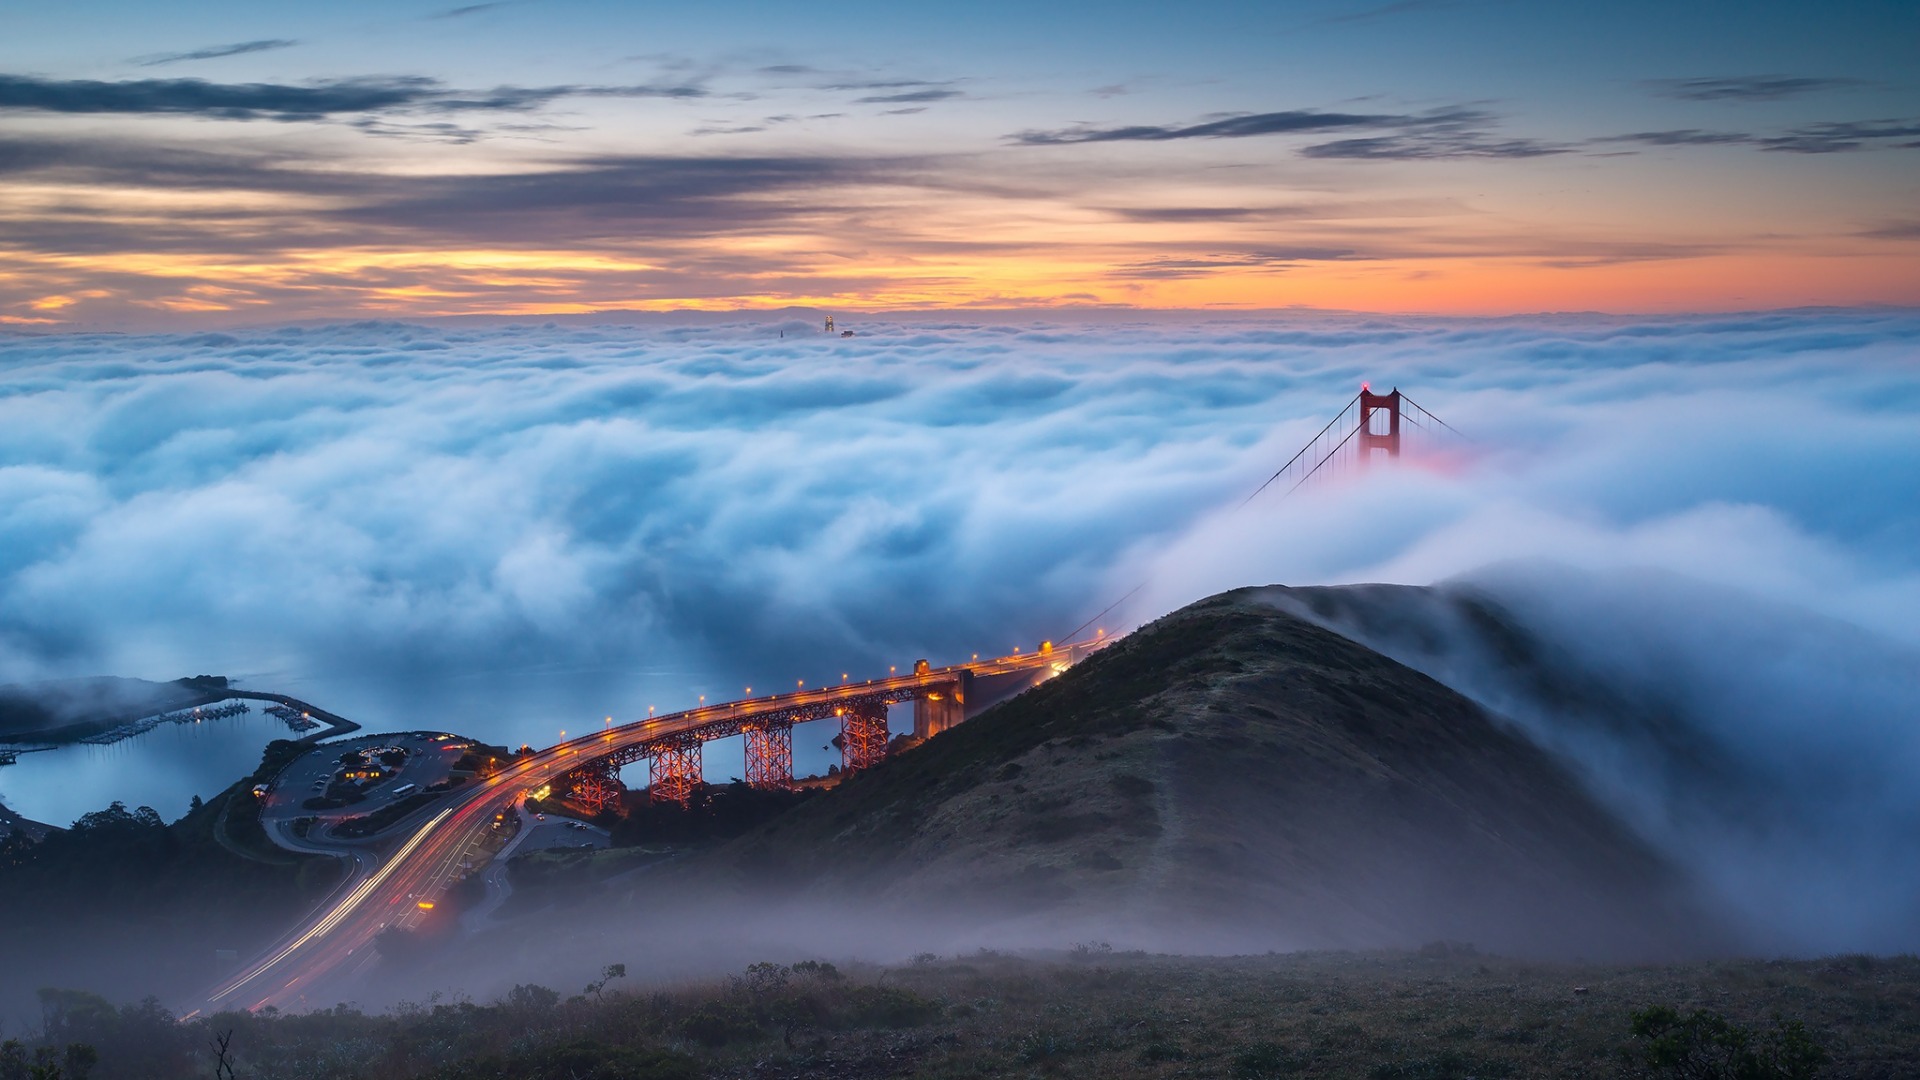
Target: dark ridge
x,y
1234,776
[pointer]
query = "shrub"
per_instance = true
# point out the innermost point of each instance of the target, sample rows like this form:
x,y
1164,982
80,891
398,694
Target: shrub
x,y
1155,1052
1039,1046
887,1006
1703,1045
1446,1065
577,1061
1264,1059
759,980
532,997
718,1023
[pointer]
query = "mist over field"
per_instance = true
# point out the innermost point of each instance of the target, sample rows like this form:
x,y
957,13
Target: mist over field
x,y
509,529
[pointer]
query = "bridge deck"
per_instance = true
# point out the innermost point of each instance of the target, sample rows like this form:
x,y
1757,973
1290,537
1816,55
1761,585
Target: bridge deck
x,y
428,862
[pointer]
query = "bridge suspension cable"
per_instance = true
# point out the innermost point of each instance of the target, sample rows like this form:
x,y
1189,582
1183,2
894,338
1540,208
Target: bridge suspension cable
x,y
1302,453
1329,447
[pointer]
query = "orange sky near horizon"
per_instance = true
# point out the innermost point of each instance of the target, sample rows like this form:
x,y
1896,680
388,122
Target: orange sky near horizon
x,y
424,284
361,160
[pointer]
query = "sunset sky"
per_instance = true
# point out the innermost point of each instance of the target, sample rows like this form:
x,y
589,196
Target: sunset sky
x,y
221,163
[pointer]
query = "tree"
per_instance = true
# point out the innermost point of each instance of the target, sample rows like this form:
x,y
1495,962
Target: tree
x,y
532,997
66,1015
607,975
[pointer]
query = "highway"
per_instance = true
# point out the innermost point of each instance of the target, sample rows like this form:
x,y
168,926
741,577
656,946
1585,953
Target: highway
x,y
401,890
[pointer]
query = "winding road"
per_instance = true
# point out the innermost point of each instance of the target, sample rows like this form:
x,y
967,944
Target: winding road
x,y
400,890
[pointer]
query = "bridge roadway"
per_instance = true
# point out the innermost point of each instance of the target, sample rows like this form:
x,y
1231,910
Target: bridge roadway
x,y
337,937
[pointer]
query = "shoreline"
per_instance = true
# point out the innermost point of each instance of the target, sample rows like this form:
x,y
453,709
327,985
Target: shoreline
x,y
332,724
329,724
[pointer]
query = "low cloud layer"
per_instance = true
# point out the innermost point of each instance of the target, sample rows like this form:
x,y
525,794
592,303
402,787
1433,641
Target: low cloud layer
x,y
274,101
1747,87
1765,750
510,530
1457,132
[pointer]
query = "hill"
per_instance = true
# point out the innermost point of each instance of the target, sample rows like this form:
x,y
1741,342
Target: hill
x,y
67,710
1233,777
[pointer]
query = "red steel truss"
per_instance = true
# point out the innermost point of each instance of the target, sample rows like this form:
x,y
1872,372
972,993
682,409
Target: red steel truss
x,y
674,772
596,786
769,755
863,736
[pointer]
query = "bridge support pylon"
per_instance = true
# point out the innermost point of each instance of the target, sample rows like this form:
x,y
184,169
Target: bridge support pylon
x,y
937,710
674,771
863,736
596,786
1371,440
770,756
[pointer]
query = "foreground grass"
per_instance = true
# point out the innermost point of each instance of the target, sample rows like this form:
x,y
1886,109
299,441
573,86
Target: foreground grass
x,y
1438,1013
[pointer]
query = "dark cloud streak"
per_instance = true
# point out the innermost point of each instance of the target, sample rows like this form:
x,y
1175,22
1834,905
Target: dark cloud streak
x,y
273,101
1833,137
909,97
1453,132
1746,87
231,101
215,52
1290,122
467,9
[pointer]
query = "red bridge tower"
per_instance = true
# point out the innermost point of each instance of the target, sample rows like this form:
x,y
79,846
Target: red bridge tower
x,y
1371,438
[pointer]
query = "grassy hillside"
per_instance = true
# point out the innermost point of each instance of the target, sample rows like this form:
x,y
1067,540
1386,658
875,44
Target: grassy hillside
x,y
1428,1015
1234,776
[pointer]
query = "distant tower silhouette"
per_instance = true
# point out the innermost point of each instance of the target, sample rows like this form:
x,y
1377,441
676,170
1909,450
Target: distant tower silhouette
x,y
1388,440
829,324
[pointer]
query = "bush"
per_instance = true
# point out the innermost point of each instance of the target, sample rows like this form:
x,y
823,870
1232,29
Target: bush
x,y
887,1006
1703,1045
1156,1052
531,997
1446,1065
577,1061
718,1023
1264,1059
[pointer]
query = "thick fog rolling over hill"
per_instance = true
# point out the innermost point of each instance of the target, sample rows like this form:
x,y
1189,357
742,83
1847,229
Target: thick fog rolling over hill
x,y
512,529
576,520
1770,752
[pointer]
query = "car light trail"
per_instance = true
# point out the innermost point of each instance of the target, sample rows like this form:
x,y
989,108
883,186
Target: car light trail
x,y
341,910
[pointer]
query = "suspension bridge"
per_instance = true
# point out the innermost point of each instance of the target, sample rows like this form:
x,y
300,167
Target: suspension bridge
x,y
401,891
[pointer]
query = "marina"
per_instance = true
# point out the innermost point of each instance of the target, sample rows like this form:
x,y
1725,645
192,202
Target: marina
x,y
179,716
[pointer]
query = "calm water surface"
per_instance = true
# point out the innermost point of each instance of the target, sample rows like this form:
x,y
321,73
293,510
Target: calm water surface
x,y
166,767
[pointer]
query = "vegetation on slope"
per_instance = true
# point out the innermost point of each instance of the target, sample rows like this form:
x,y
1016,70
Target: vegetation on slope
x,y
126,904
1235,768
1431,1014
